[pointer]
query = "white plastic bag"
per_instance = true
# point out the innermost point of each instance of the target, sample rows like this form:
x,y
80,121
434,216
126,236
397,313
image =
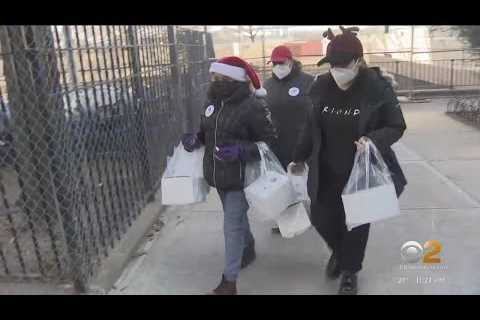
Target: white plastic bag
x,y
267,188
369,195
183,181
299,183
293,221
184,163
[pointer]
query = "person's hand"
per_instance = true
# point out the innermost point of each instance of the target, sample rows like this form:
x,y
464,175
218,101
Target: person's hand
x,y
296,169
190,142
361,144
229,152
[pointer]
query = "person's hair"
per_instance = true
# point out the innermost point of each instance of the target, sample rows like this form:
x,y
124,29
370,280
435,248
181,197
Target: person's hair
x,y
387,76
362,63
250,85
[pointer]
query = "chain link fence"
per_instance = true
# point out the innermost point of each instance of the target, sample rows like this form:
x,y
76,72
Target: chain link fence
x,y
88,116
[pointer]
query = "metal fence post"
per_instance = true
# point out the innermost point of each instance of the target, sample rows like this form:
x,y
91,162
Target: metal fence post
x,y
204,37
71,65
206,53
139,105
411,62
452,61
264,73
176,72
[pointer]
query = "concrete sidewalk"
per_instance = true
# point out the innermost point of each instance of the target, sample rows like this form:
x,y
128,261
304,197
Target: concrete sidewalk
x,y
441,158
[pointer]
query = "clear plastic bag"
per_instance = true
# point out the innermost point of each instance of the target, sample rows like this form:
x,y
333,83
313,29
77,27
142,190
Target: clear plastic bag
x,y
268,163
183,180
268,189
184,163
369,170
369,194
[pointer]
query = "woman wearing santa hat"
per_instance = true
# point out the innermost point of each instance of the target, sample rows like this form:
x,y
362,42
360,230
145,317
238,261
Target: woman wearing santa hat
x,y
232,121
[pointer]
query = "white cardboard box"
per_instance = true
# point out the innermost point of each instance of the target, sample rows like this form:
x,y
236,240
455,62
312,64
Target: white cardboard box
x,y
184,190
270,195
370,205
293,221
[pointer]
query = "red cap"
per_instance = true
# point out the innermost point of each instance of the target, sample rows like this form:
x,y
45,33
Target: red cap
x,y
280,54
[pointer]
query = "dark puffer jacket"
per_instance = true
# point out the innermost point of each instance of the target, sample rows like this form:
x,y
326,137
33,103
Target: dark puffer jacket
x,y
243,119
290,105
381,120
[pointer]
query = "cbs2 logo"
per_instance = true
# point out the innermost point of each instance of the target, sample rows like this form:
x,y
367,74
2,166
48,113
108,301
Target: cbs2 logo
x,y
413,252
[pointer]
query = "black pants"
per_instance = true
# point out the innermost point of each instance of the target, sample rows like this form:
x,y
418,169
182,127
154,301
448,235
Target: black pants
x,y
328,218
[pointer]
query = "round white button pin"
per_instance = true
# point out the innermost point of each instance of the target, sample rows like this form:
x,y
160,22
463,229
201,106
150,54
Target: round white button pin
x,y
210,110
294,91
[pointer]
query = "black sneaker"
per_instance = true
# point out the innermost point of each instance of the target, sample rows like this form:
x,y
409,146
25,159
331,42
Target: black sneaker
x,y
333,268
249,255
276,230
348,284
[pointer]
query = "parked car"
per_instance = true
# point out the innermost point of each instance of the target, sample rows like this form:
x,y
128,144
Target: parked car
x,y
98,120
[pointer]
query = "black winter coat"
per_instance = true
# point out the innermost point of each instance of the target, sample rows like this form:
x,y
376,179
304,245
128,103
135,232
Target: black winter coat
x,y
381,120
242,119
290,105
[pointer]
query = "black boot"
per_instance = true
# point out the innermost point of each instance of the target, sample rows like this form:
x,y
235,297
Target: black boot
x,y
333,267
249,255
348,284
225,288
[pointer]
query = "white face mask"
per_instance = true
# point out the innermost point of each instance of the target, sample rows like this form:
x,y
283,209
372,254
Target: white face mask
x,y
282,70
344,76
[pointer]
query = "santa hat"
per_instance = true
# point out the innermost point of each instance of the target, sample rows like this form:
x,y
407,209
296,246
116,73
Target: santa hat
x,y
238,69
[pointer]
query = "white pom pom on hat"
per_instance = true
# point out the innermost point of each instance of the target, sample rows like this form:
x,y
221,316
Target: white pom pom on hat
x,y
262,92
240,70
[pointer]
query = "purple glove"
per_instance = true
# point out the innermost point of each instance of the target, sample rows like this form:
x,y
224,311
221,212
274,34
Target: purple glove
x,y
229,152
190,142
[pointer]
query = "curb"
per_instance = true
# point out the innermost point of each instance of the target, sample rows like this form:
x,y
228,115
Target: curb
x,y
35,287
428,93
112,268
